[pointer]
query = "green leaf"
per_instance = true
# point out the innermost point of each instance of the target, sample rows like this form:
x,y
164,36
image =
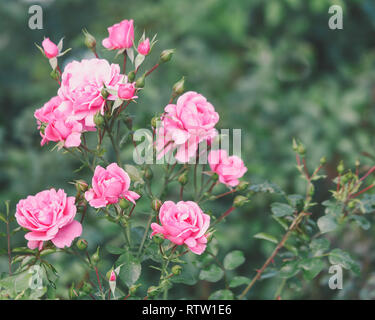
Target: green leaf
x,y
212,274
311,267
221,295
238,281
134,174
2,218
114,249
266,187
17,282
319,246
289,269
266,236
233,259
362,222
338,256
327,224
130,269
281,209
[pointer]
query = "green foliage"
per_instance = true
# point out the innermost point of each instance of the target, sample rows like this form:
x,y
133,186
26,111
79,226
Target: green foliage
x,y
271,78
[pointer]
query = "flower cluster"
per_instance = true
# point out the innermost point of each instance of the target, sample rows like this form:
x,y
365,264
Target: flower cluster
x,y
92,88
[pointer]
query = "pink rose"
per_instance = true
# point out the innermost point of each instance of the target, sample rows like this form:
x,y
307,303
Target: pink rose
x,y
50,49
108,186
126,91
183,223
144,47
49,215
229,169
82,83
186,124
53,117
121,36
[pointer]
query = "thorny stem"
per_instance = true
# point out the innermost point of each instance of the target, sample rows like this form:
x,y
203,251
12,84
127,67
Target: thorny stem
x,y
152,69
293,225
9,251
145,234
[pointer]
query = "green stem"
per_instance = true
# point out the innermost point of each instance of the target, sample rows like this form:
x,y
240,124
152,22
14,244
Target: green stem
x,y
145,234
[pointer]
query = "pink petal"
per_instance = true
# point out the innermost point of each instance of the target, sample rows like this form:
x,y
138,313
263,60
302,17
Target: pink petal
x,y
67,234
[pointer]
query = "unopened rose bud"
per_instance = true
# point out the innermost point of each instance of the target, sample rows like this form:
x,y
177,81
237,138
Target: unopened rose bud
x,y
140,83
240,201
183,178
98,120
50,49
154,121
152,291
301,149
166,55
351,205
144,47
323,161
95,257
90,40
133,289
357,163
295,145
340,167
179,86
104,93
82,244
126,91
158,239
81,185
112,276
148,173
243,185
124,204
131,76
156,204
55,75
176,270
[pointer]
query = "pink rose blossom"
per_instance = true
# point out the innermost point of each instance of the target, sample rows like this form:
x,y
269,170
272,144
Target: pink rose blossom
x,y
50,49
82,83
186,124
183,223
49,215
229,169
126,91
54,118
144,47
121,36
112,277
108,186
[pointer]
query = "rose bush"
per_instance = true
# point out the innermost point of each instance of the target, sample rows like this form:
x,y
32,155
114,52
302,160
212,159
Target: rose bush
x,y
90,120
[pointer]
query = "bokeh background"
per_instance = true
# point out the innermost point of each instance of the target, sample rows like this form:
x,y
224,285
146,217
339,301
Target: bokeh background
x,y
271,68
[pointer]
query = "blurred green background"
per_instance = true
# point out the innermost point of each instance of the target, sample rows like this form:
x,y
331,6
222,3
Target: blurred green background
x,y
271,68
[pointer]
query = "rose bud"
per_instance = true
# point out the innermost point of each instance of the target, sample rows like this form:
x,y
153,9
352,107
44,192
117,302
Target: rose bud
x,y
179,87
166,55
144,47
81,185
239,201
126,91
90,40
81,244
50,49
176,270
156,204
